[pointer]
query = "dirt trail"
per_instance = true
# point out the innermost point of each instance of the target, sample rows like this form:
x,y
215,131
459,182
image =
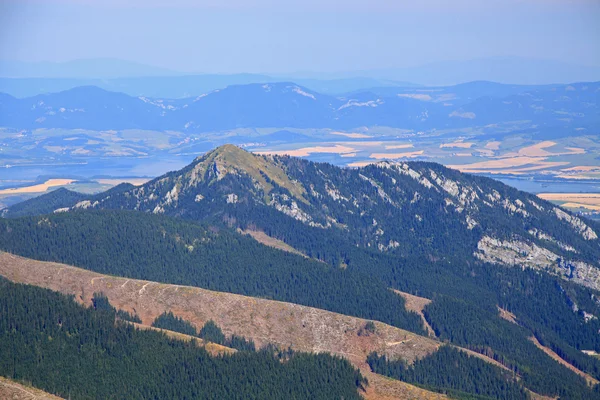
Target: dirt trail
x,y
590,379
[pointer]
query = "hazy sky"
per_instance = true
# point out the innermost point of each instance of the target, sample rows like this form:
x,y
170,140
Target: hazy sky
x,y
298,35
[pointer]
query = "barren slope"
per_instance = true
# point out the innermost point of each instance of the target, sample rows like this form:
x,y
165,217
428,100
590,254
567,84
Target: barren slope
x,y
11,390
264,321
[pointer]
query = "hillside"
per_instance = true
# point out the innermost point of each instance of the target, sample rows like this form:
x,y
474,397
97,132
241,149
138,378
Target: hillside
x,y
418,228
448,214
263,321
80,352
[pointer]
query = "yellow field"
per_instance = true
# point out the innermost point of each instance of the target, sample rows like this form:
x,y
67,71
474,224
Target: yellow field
x,y
42,187
493,145
399,146
591,201
306,151
114,182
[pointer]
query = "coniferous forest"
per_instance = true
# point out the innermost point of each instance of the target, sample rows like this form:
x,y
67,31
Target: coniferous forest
x,y
51,342
352,261
465,296
452,372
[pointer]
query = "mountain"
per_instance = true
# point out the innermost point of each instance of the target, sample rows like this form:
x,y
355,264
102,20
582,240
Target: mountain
x,y
565,107
370,207
499,272
60,344
515,70
182,86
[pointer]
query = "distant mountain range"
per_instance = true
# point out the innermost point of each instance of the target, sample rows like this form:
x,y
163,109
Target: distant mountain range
x,y
100,68
516,70
499,69
572,108
177,87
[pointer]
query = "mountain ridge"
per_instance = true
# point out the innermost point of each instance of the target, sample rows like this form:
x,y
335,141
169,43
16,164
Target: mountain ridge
x,y
497,223
470,245
286,104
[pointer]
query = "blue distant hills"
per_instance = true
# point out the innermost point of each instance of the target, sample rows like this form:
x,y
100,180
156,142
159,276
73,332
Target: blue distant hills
x,y
572,108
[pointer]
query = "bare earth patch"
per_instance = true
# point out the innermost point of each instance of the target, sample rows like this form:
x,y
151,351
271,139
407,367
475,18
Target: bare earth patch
x,y
264,321
384,388
11,390
267,240
507,315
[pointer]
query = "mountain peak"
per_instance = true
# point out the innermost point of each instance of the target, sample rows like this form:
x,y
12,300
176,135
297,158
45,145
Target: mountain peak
x,y
231,159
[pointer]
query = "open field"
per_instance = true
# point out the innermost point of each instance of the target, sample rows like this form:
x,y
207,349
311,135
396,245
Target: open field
x,y
39,188
306,151
116,181
590,201
394,156
267,240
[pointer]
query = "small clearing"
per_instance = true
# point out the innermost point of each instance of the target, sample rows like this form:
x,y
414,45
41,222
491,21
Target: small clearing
x,y
507,315
267,240
384,388
590,379
306,151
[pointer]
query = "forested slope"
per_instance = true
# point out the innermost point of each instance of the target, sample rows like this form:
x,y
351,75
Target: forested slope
x,y
138,245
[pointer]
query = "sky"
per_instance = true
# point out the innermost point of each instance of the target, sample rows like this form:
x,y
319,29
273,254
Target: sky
x,y
276,36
